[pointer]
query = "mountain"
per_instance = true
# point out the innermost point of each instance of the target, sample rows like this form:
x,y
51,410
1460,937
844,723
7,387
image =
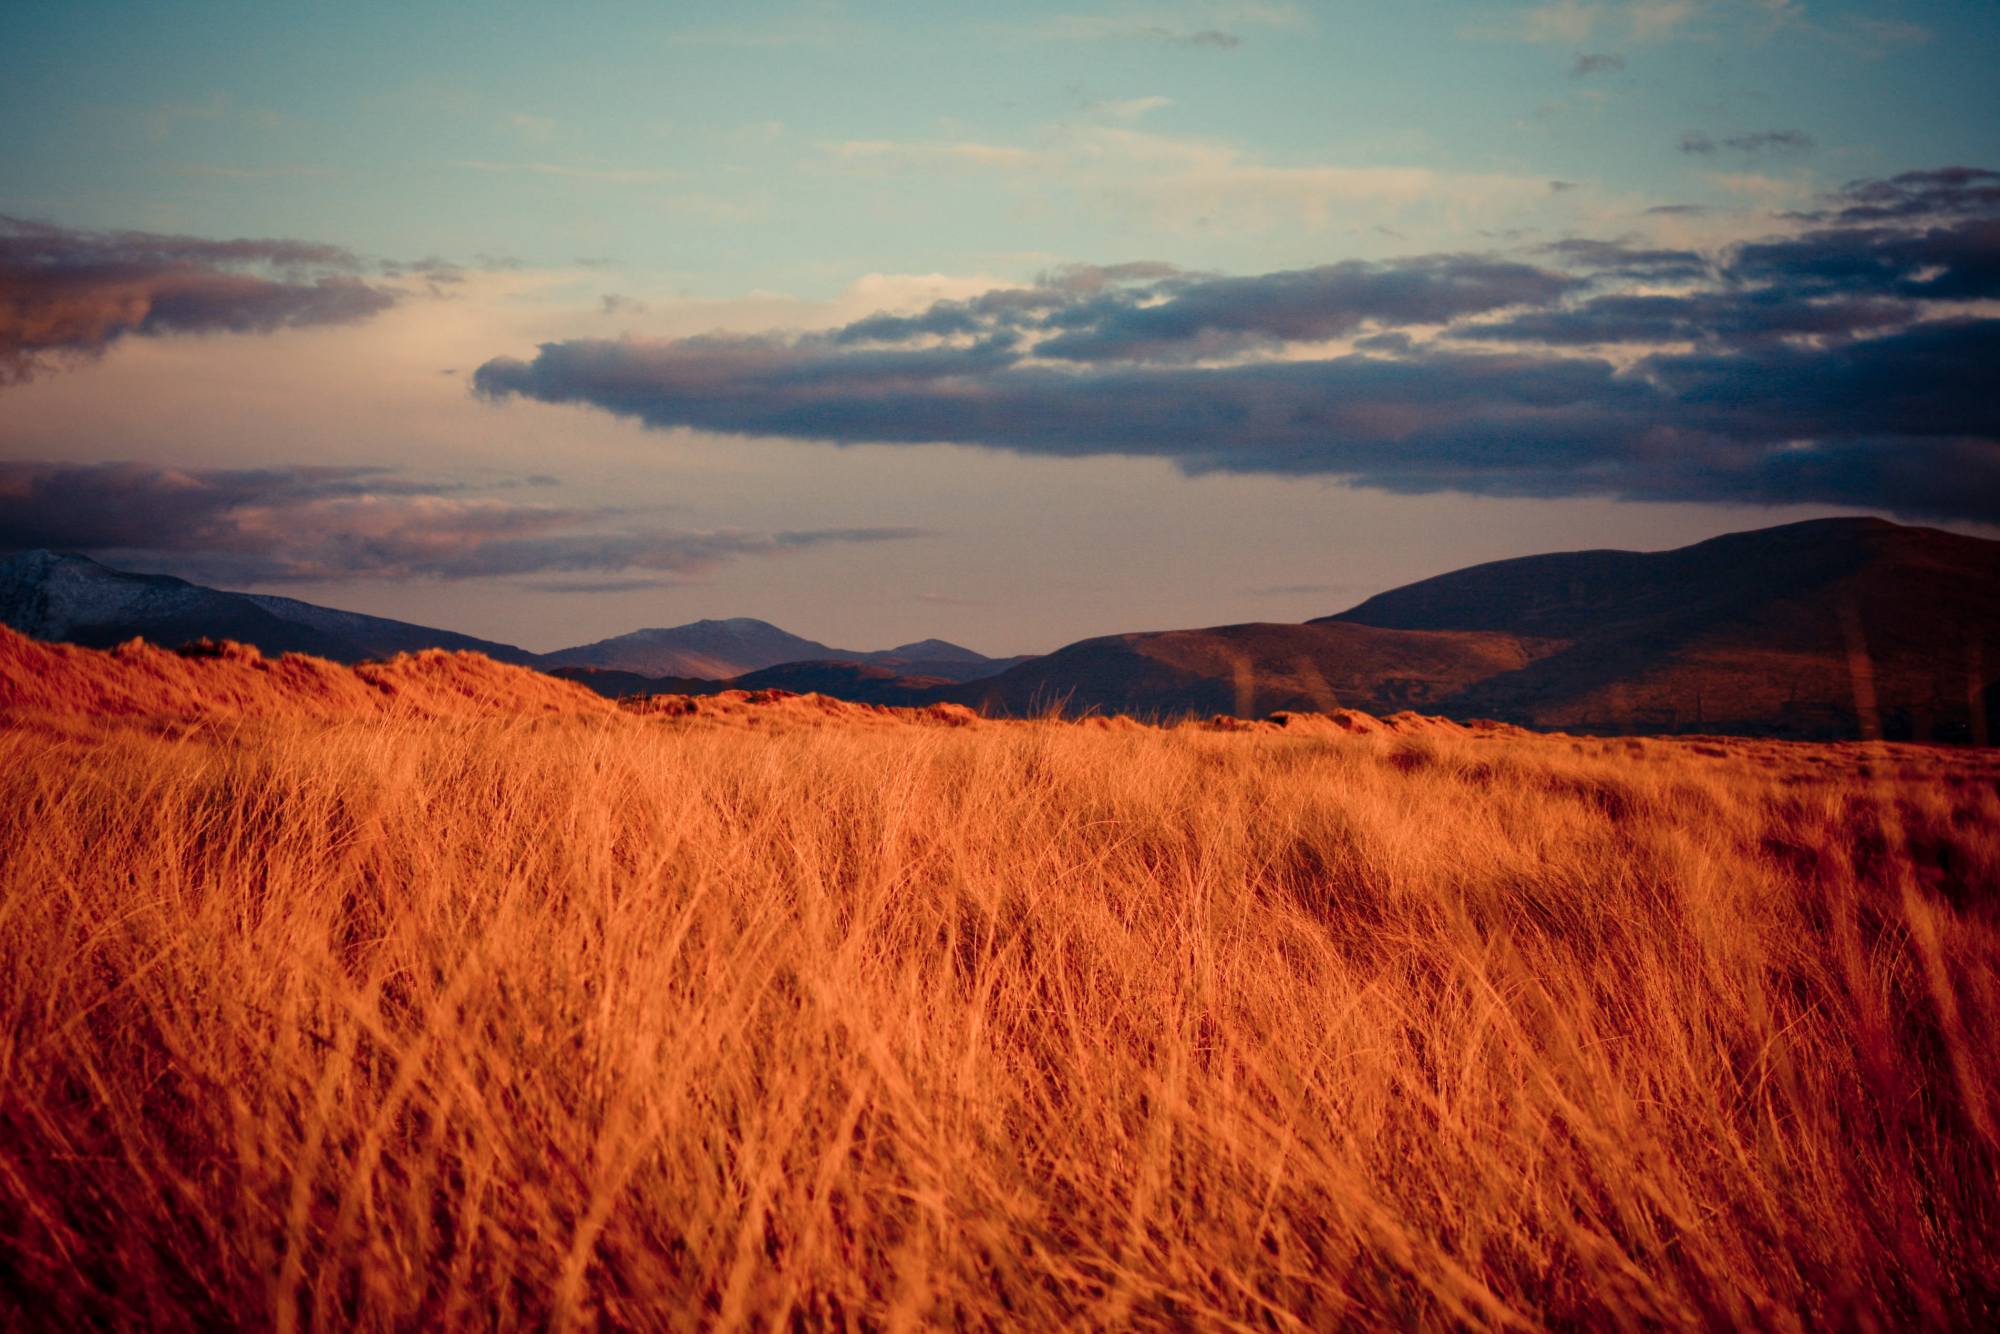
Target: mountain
x,y
614,684
720,650
71,598
1832,627
1250,671
710,649
1829,628
62,597
861,682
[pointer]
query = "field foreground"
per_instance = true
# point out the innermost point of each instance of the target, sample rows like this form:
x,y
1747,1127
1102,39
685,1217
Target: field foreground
x,y
442,1008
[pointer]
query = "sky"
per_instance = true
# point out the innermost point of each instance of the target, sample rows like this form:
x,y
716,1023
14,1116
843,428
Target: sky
x,y
1009,325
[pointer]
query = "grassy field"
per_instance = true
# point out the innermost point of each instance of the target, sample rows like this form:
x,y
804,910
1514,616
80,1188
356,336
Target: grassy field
x,y
648,1021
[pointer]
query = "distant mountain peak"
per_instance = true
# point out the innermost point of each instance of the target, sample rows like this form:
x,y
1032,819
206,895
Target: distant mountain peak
x,y
932,650
57,595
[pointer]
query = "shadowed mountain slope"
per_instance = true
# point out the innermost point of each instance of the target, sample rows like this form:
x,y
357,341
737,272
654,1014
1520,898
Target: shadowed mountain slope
x,y
861,682
1829,628
1249,671
1832,627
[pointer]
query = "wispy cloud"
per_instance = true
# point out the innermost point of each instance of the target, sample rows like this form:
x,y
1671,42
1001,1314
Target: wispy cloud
x,y
1188,184
276,171
1575,23
1598,62
901,154
292,524
1214,27
1131,108
600,175
532,129
1750,144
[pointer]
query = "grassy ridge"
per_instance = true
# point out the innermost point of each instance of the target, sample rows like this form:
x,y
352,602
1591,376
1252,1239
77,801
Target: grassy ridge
x,y
612,1019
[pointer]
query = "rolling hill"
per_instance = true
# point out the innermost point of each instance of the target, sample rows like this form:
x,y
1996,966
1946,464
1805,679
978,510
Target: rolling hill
x,y
1828,628
1831,627
1249,671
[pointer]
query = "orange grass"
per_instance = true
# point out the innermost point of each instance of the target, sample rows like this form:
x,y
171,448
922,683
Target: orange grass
x,y
629,1020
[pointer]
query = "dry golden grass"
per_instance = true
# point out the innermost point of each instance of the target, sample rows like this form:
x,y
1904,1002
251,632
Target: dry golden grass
x,y
636,1020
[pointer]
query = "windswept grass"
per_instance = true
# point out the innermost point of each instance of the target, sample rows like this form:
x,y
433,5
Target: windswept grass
x,y
623,1020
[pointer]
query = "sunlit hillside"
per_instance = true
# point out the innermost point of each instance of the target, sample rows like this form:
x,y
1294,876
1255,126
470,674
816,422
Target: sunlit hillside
x,y
440,994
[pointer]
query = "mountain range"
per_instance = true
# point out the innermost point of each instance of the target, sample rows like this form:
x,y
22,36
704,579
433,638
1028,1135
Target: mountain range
x,y
74,599
1827,628
719,649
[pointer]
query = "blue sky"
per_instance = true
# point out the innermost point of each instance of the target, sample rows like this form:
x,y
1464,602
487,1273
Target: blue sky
x,y
576,175
704,143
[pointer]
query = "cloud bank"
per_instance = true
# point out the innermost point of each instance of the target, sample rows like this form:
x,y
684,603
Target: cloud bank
x,y
294,524
68,294
1846,362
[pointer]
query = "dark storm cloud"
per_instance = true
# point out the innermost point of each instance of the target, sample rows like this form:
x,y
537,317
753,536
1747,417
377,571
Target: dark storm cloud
x,y
66,293
1941,193
1956,261
1825,366
265,525
1701,317
1761,141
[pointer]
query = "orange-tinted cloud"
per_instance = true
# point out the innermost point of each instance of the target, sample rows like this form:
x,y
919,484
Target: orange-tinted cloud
x,y
69,294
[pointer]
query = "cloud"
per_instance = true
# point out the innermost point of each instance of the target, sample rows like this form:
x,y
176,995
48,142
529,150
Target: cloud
x,y
1091,28
283,170
599,175
1146,312
927,156
1574,22
1131,108
1615,258
1183,318
1214,25
532,129
67,294
1762,141
1725,317
1191,183
1878,36
1914,195
1836,365
289,524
